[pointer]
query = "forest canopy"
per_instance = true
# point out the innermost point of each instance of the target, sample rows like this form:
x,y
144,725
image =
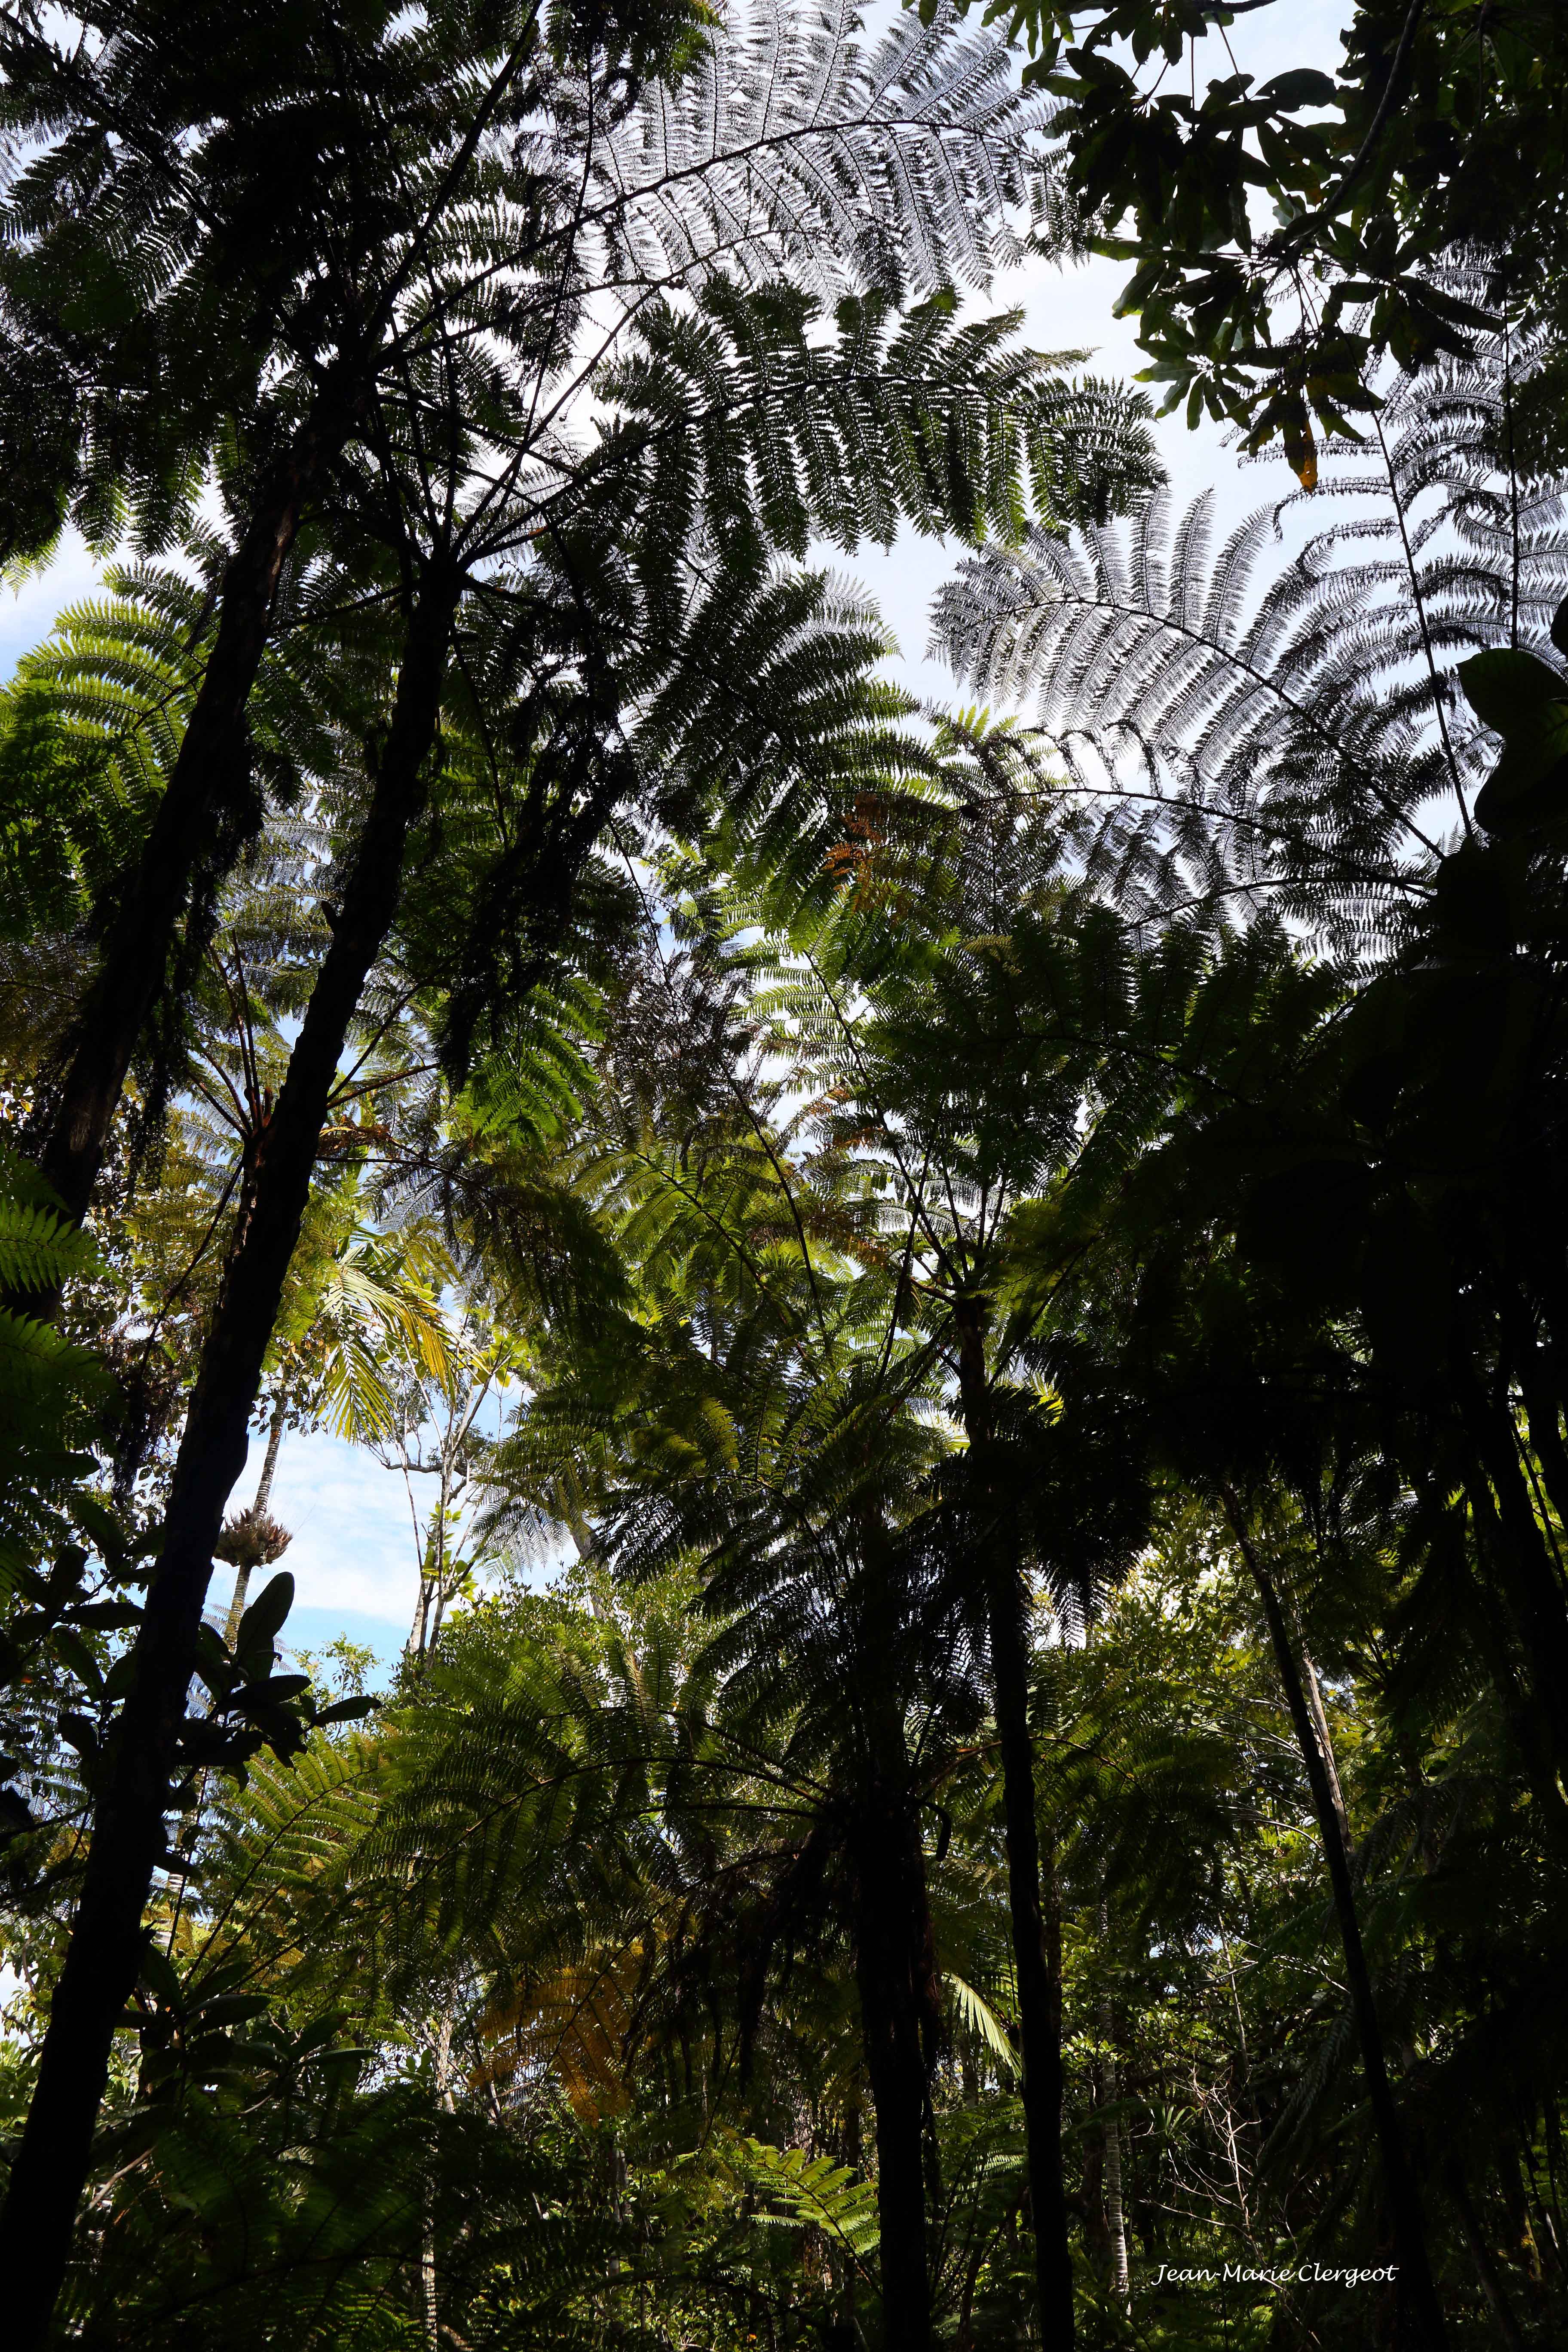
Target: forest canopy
x,y
971,1296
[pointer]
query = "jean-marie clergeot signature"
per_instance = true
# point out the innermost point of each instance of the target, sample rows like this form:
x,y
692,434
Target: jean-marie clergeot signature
x,y
1282,2274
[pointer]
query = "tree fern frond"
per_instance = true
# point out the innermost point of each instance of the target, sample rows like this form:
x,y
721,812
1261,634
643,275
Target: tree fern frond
x,y
1298,742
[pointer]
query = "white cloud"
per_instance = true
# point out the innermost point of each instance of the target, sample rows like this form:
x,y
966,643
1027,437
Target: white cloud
x,y
353,1541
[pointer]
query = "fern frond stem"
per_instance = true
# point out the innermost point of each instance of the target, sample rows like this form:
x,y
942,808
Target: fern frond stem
x,y
563,275
1439,703
245,1027
906,1258
626,199
262,1854
1513,534
847,1031
694,1201
172,1297
452,177
478,711
389,1021
91,101
347,608
774,142
1271,686
231,1113
1165,1057
1240,822
414,432
746,1101
569,390
959,1260
355,1092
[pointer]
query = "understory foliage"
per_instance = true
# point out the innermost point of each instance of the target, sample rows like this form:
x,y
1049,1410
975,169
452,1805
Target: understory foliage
x,y
968,1306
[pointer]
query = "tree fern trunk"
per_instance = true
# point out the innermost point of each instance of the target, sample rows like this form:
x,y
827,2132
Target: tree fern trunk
x,y
1419,2321
1035,1963
104,1954
1115,2215
890,1935
205,816
1039,1978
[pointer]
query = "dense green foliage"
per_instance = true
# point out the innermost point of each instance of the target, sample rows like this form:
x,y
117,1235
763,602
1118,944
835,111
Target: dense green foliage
x,y
1287,233
972,1309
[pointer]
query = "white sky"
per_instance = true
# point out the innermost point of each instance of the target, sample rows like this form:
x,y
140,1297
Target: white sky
x,y
352,1555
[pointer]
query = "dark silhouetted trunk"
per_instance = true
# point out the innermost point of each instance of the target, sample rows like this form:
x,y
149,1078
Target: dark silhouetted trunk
x,y
205,816
1038,1975
1036,1964
107,1941
893,1973
207,810
1419,2316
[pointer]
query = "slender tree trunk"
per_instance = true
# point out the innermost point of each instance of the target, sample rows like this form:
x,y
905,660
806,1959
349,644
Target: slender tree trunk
x,y
1326,1750
891,1960
1115,2216
442,2072
106,1942
259,1502
419,1631
1038,1980
1419,2316
203,817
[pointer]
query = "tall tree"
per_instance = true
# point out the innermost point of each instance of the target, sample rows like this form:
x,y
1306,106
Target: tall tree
x,y
476,175
1307,750
938,1006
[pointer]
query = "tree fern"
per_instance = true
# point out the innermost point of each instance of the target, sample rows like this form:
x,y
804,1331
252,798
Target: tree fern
x,y
53,1390
813,2193
1300,743
909,163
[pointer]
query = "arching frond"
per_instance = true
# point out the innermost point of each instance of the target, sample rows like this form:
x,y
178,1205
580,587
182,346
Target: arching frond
x,y
1290,736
